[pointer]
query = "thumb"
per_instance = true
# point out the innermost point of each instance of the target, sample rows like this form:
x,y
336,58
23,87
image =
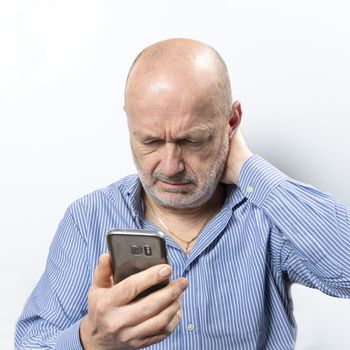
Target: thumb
x,y
103,274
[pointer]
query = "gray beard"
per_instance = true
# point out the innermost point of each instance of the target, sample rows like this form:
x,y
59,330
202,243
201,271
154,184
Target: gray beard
x,y
199,197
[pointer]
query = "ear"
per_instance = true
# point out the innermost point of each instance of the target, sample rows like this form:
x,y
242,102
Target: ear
x,y
235,117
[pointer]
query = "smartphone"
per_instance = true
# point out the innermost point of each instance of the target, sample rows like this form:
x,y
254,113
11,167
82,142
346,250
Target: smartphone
x,y
133,251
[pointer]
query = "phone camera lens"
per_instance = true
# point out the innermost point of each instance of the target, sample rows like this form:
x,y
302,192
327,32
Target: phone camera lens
x,y
136,249
148,250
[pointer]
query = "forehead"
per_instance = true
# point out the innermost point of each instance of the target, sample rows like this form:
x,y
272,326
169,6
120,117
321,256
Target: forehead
x,y
180,107
176,118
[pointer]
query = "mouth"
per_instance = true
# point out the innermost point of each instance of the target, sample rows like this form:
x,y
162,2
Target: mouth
x,y
175,184
175,187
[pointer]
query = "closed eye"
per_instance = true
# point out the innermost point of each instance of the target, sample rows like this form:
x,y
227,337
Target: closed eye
x,y
193,143
153,142
196,142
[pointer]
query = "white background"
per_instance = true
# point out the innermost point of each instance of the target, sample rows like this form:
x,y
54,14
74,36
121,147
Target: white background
x,y
63,132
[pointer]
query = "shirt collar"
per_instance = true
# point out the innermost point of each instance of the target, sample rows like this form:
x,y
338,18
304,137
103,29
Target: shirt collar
x,y
234,196
130,190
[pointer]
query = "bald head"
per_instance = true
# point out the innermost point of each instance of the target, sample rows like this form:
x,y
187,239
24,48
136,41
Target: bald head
x,y
180,118
180,64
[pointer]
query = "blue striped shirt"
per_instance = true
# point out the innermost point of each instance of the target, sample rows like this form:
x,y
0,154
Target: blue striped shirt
x,y
271,232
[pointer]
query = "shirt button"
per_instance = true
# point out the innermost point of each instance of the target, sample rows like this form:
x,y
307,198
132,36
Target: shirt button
x,y
190,327
250,189
187,269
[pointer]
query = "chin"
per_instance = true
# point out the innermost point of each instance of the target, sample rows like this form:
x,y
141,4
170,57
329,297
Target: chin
x,y
181,200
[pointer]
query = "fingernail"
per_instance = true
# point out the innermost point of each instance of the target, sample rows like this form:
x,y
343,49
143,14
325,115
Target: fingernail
x,y
102,256
183,283
165,271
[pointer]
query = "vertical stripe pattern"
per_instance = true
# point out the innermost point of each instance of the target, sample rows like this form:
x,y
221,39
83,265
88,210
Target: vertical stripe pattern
x,y
271,232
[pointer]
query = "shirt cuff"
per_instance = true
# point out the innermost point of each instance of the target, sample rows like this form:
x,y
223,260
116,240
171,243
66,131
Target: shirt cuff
x,y
70,338
258,178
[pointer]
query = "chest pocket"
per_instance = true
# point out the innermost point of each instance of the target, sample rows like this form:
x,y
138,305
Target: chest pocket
x,y
237,298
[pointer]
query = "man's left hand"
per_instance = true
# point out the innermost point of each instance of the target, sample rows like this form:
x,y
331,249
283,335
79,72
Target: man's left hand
x,y
238,154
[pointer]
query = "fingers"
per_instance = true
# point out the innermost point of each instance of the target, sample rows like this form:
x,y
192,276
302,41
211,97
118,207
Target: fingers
x,y
114,320
163,322
156,302
238,154
103,274
126,290
156,334
156,328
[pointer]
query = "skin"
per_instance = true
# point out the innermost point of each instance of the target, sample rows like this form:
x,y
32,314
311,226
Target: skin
x,y
115,322
186,142
180,128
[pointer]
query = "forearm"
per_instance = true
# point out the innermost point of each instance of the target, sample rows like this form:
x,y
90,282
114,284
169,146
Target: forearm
x,y
314,226
51,317
39,334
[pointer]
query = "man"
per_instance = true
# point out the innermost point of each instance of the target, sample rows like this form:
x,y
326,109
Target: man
x,y
239,232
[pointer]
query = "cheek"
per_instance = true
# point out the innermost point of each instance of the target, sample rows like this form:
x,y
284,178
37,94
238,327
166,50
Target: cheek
x,y
206,154
210,153
208,157
197,162
146,161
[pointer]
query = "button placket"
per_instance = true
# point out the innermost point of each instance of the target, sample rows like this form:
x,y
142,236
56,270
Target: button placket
x,y
191,327
250,189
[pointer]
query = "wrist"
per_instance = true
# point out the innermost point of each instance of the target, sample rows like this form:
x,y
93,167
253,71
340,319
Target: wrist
x,y
234,168
240,163
85,334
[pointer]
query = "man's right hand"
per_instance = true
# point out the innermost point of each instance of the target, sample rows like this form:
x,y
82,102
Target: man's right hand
x,y
114,321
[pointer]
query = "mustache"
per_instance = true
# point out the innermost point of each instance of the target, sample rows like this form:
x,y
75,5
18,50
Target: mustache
x,y
180,178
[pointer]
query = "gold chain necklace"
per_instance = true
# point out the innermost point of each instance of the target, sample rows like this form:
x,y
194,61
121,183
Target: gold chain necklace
x,y
188,243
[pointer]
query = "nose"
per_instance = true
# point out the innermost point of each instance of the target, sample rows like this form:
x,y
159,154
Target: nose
x,y
172,162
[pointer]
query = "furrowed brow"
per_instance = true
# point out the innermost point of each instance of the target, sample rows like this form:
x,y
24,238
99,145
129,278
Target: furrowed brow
x,y
195,133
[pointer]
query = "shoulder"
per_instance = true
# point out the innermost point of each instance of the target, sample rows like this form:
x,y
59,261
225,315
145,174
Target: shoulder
x,y
113,195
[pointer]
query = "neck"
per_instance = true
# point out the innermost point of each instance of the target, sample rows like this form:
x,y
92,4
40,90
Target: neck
x,y
186,224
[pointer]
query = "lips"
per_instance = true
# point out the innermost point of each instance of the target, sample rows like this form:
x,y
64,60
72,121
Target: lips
x,y
176,183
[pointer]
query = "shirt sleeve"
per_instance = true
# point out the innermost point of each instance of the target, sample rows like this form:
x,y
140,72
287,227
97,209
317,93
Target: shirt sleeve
x,y
313,226
51,317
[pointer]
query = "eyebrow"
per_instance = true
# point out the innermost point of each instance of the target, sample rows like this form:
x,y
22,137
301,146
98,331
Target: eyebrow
x,y
195,133
188,134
